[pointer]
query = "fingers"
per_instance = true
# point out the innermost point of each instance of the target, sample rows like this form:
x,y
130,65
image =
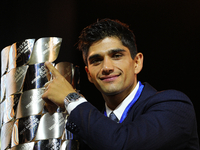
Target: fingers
x,y
47,84
57,88
52,69
50,107
55,92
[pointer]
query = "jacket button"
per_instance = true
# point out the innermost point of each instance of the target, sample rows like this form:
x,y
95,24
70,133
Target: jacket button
x,y
71,126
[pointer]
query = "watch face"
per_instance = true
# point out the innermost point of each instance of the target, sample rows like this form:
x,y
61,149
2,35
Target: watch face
x,y
73,96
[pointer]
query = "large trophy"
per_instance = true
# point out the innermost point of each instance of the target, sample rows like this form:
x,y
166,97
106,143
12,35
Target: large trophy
x,y
26,123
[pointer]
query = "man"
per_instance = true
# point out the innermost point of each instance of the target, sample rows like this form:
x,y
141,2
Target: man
x,y
145,119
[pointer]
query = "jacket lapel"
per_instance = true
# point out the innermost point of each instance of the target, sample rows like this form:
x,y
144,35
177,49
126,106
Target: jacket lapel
x,y
148,91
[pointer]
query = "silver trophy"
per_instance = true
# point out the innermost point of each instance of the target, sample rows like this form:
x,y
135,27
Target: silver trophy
x,y
4,59
26,122
19,53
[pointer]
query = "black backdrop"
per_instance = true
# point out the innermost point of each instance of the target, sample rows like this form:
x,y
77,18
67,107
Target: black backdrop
x,y
167,33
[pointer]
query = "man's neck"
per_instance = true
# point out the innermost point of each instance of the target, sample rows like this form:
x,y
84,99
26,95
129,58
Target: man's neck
x,y
113,101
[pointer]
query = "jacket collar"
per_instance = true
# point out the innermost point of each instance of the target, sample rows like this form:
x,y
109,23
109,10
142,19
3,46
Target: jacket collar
x,y
147,92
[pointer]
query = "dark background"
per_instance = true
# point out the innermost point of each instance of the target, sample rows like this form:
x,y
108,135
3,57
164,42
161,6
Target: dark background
x,y
167,33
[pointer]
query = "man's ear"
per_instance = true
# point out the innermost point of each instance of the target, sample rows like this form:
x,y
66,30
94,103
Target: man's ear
x,y
88,74
138,62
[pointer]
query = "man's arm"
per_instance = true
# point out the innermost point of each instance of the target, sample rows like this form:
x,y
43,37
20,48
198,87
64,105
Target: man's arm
x,y
161,124
164,124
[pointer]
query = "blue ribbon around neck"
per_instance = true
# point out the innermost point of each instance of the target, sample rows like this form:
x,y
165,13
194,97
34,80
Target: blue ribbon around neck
x,y
126,111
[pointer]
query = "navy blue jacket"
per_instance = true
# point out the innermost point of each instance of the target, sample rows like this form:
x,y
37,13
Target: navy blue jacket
x,y
158,121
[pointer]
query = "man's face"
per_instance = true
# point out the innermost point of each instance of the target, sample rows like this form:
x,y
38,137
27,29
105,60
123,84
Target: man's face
x,y
110,67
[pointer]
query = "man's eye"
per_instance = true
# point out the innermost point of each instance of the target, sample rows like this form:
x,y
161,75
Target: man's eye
x,y
95,61
117,55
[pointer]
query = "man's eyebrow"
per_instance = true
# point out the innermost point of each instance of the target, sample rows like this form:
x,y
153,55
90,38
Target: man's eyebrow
x,y
94,56
112,51
116,51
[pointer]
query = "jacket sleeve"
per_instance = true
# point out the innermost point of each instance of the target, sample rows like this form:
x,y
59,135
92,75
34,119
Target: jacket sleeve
x,y
159,124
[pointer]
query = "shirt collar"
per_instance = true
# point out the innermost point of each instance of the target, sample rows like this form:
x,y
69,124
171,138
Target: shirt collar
x,y
122,106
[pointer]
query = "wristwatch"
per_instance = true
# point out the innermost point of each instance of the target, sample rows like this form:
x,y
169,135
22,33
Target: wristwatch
x,y
71,97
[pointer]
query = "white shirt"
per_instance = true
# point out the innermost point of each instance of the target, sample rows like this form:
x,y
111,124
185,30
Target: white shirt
x,y
74,104
122,106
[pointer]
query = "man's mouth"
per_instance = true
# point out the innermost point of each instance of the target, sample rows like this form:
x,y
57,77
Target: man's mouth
x,y
109,78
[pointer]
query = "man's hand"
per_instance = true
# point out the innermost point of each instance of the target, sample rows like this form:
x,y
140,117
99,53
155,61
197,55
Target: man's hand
x,y
57,88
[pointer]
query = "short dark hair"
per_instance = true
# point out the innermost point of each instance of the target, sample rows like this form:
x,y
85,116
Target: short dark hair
x,y
106,28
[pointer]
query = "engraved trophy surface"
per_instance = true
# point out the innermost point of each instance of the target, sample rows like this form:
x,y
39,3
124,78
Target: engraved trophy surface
x,y
25,121
4,58
19,53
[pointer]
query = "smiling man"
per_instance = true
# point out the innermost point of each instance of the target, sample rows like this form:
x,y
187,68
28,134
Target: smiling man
x,y
136,116
112,69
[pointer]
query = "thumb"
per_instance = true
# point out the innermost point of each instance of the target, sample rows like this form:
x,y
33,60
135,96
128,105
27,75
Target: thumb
x,y
52,69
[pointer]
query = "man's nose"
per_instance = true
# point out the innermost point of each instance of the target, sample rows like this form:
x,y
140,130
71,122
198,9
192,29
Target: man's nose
x,y
107,67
